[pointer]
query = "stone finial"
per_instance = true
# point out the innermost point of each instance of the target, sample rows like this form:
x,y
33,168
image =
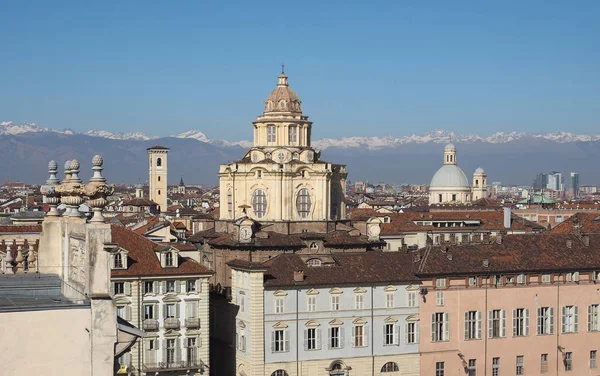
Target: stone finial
x,y
51,197
97,163
75,171
97,190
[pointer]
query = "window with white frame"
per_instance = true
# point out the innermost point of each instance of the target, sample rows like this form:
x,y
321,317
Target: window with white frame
x,y
390,334
335,302
241,342
150,347
472,325
149,312
336,337
440,326
521,279
169,259
149,287
440,283
439,298
171,286
292,134
119,287
171,350
121,311
411,333
497,280
171,310
520,322
271,133
359,301
312,339
439,366
118,261
389,299
544,363
390,367
520,368
191,350
259,203
359,335
593,318
496,323
495,366
230,204
279,304
546,278
190,285
242,302
314,262
473,281
568,360
412,299
570,318
303,203
545,320
311,303
593,358
472,367
280,341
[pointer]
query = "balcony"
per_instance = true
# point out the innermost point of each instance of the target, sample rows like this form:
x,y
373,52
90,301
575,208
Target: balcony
x,y
172,323
193,323
174,365
150,325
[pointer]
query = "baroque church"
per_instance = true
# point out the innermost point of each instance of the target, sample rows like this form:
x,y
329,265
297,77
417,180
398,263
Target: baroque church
x,y
450,185
282,178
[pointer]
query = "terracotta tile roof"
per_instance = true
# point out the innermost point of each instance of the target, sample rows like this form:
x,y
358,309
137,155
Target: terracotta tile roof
x,y
365,268
158,147
142,260
10,229
181,246
589,222
515,253
152,221
138,202
201,236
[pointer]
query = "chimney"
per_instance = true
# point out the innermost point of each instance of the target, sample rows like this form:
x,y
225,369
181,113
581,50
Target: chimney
x,y
499,239
299,276
586,240
507,217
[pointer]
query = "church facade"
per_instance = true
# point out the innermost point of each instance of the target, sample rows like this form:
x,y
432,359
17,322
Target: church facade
x,y
282,178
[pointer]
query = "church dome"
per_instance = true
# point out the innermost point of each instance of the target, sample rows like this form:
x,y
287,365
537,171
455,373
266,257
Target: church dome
x,y
449,176
479,170
283,98
449,146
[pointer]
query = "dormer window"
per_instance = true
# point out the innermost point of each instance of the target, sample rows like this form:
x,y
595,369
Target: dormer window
x,y
313,262
314,245
119,259
169,259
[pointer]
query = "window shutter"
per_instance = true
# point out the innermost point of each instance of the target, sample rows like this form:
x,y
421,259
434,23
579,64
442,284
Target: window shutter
x,y
383,337
178,349
342,338
551,314
318,338
156,344
466,324
396,334
164,351
479,324
406,333
163,287
576,323
354,336
128,312
515,323
416,332
540,321
433,327
446,326
590,327
490,324
127,288
272,341
305,339
189,311
329,337
526,321
112,288
366,335
177,315
503,324
198,285
286,341
564,319
164,311
177,286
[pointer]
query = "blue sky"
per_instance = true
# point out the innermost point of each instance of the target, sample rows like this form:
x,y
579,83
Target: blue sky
x,y
368,68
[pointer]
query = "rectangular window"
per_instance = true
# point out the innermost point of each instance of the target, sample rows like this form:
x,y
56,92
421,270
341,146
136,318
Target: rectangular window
x,y
473,281
412,299
439,298
335,302
472,367
279,341
119,288
190,285
520,322
242,303
544,363
568,361
545,320
170,351
473,325
171,311
148,287
520,370
192,351
149,311
439,367
271,133
121,311
439,326
335,337
593,324
359,336
546,278
440,283
593,357
359,300
279,307
521,279
170,286
292,134
389,300
496,323
570,318
390,334
495,366
497,280
311,339
311,303
412,333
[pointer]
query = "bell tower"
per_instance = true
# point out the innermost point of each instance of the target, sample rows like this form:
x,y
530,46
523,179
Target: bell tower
x,y
157,162
479,184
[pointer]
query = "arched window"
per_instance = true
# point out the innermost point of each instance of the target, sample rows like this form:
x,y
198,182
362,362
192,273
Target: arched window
x,y
118,260
230,203
158,162
169,259
292,134
271,133
314,245
159,192
259,203
279,372
477,182
159,178
303,203
313,262
390,367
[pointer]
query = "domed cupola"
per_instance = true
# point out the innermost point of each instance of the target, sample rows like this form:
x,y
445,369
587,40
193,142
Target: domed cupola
x,y
283,98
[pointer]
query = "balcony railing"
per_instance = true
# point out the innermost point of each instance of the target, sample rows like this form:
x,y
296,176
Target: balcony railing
x,y
193,322
174,365
150,324
172,323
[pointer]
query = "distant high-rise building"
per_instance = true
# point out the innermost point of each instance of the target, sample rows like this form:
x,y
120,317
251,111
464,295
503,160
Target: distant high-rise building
x,y
575,183
555,181
540,181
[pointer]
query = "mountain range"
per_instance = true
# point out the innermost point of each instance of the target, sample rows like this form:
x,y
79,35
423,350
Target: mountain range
x,y
514,158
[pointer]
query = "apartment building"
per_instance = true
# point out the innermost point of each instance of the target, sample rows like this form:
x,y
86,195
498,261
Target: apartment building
x,y
338,314
166,295
522,305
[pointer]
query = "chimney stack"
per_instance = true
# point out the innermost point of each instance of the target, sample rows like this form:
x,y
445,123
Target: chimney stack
x,y
507,217
299,276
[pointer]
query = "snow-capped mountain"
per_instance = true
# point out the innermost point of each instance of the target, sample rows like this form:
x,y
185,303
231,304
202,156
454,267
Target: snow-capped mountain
x,y
436,136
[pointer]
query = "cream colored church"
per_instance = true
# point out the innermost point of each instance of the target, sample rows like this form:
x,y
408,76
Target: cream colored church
x,y
281,178
450,184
